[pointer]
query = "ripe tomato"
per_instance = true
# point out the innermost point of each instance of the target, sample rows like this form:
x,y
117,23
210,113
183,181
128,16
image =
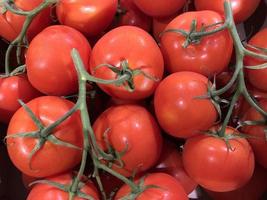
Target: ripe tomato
x,y
159,24
12,89
91,17
214,166
179,110
51,158
170,162
11,24
257,77
242,9
253,190
141,52
49,64
42,191
133,16
203,56
168,188
130,128
259,144
159,8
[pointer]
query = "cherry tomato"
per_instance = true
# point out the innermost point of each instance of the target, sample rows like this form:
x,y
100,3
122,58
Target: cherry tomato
x,y
168,188
179,108
259,143
159,8
257,77
42,191
12,89
141,52
242,9
91,17
253,190
11,24
170,162
51,158
204,55
216,166
129,129
49,64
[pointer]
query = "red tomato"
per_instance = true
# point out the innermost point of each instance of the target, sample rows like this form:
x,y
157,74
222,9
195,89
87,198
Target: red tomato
x,y
253,190
130,128
91,17
51,158
259,144
133,16
242,9
159,24
159,8
214,166
179,110
204,56
42,191
257,78
49,64
11,90
11,24
170,162
169,188
141,52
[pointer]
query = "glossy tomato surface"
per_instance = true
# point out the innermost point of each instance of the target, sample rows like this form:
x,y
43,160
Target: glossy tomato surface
x,y
203,56
257,77
51,158
168,188
90,17
11,24
216,166
130,129
49,64
258,134
12,89
242,9
42,191
141,52
179,110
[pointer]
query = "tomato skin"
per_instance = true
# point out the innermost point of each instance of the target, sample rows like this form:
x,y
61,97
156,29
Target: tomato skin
x,y
134,128
43,191
204,57
175,101
253,190
259,144
169,188
208,161
171,163
91,17
141,52
242,9
12,89
159,8
133,16
257,77
49,62
50,159
11,24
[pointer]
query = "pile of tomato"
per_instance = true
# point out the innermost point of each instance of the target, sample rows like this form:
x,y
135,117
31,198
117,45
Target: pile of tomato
x,y
134,99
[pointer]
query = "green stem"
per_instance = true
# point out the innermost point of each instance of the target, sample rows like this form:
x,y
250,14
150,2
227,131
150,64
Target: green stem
x,y
29,18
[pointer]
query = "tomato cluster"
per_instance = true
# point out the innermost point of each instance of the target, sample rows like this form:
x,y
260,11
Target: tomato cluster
x,y
134,99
